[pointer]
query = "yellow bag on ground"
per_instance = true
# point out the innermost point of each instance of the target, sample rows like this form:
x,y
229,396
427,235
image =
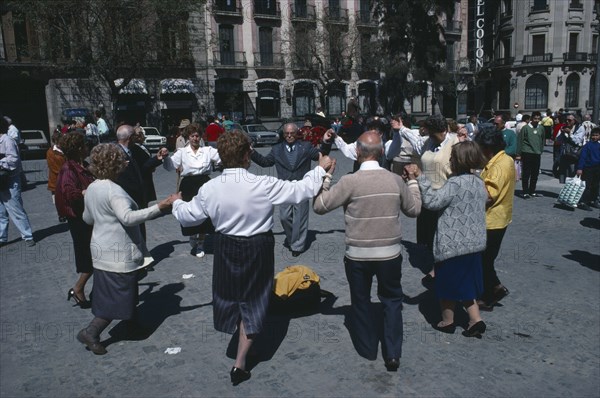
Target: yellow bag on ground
x,y
293,278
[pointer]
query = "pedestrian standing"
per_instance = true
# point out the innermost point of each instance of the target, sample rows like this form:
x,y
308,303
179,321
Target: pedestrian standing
x,y
530,147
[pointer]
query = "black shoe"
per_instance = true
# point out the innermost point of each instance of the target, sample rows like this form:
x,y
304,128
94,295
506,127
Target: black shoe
x,y
62,219
476,330
499,293
595,205
428,282
392,364
584,206
296,253
526,196
93,346
537,195
239,375
81,303
484,306
446,329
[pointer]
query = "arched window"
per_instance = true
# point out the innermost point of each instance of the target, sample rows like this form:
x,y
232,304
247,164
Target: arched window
x,y
536,92
572,91
268,101
336,98
304,98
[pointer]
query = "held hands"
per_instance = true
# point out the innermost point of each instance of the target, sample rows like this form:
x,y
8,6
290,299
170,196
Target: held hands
x,y
326,162
162,153
579,173
165,204
411,171
329,135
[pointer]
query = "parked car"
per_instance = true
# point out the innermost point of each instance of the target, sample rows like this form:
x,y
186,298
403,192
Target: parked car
x,y
154,139
35,144
260,135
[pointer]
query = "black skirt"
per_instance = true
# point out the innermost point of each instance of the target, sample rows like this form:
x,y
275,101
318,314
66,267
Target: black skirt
x,y
189,187
115,295
242,281
81,233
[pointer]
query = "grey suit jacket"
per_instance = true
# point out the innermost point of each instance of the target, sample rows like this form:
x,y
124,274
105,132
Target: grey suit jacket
x,y
285,170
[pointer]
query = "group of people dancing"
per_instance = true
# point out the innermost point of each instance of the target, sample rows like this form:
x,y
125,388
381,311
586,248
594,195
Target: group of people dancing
x,y
460,191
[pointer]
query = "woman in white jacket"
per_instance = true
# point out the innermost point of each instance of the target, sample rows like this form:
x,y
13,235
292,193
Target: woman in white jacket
x,y
118,249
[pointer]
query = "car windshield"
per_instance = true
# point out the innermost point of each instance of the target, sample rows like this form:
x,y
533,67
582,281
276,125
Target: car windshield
x,y
253,128
150,131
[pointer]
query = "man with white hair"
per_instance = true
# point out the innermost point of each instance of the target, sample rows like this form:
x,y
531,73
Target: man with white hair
x,y
13,132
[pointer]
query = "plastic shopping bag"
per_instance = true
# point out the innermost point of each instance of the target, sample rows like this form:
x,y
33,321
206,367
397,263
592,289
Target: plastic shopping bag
x,y
572,192
517,170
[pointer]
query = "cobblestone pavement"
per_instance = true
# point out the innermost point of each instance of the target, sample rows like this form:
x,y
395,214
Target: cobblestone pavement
x,y
542,341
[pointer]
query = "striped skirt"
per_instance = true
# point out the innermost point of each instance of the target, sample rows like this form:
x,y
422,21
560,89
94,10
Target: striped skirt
x,y
242,281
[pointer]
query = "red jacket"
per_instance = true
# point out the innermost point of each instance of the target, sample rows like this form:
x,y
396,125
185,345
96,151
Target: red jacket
x,y
72,179
213,131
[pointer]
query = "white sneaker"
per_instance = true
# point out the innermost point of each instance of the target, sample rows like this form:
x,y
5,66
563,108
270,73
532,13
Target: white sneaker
x,y
200,253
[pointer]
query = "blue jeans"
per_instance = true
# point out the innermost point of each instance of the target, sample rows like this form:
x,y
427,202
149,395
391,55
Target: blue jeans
x,y
11,204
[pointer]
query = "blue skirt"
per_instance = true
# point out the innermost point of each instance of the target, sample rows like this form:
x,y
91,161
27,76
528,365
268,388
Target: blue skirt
x,y
459,278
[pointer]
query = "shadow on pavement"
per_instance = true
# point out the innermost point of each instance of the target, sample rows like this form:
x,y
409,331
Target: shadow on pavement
x,y
164,250
587,259
42,234
155,309
277,326
429,307
590,222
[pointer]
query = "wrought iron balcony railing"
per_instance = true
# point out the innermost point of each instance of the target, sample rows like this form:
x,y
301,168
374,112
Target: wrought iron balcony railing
x,y
268,10
577,57
529,59
302,12
268,60
227,7
230,59
336,15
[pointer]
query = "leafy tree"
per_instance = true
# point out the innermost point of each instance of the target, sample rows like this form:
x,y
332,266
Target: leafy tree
x,y
112,41
413,44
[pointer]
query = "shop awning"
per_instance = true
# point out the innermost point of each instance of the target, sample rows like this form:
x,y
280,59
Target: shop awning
x,y
176,86
135,86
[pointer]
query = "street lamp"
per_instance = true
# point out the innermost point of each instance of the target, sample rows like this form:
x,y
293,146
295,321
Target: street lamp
x,y
596,111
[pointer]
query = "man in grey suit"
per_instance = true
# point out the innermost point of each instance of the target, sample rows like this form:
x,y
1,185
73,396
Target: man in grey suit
x,y
292,159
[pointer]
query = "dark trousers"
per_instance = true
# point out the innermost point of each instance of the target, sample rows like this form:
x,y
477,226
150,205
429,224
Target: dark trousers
x,y
363,328
426,227
530,164
566,167
591,176
490,278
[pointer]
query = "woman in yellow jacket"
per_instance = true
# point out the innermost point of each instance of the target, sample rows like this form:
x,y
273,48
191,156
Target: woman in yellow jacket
x,y
499,178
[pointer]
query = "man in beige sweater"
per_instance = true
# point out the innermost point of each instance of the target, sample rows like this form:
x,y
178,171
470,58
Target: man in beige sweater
x,y
372,199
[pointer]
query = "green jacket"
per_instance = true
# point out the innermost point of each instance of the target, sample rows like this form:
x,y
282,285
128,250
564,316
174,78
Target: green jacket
x,y
510,138
531,140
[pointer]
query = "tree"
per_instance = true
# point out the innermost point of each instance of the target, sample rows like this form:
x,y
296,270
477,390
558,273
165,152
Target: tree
x,y
112,41
323,51
413,45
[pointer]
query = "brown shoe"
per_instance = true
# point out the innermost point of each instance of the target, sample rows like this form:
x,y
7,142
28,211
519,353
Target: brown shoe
x,y
93,346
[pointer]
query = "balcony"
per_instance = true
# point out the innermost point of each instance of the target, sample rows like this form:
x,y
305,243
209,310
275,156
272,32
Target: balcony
x,y
593,58
302,62
264,11
268,60
507,61
339,64
575,57
575,5
230,59
336,15
364,18
231,8
302,13
534,59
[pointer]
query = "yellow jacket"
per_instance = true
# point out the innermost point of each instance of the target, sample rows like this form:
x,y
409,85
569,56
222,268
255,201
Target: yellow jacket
x,y
499,178
293,278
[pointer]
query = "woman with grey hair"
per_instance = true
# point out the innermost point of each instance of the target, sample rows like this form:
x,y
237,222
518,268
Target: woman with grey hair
x,y
119,249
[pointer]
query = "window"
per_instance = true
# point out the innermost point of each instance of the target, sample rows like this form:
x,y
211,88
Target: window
x,y
506,7
265,42
594,44
334,9
538,44
573,42
267,7
336,59
450,64
268,100
226,45
572,91
506,46
174,39
592,91
539,5
366,98
300,9
304,99
576,4
302,52
336,98
504,95
536,92
226,5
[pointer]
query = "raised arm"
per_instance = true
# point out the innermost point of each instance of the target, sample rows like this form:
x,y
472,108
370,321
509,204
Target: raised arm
x,y
263,161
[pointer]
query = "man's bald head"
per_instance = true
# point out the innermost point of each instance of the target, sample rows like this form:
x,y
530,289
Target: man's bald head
x,y
124,132
369,146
